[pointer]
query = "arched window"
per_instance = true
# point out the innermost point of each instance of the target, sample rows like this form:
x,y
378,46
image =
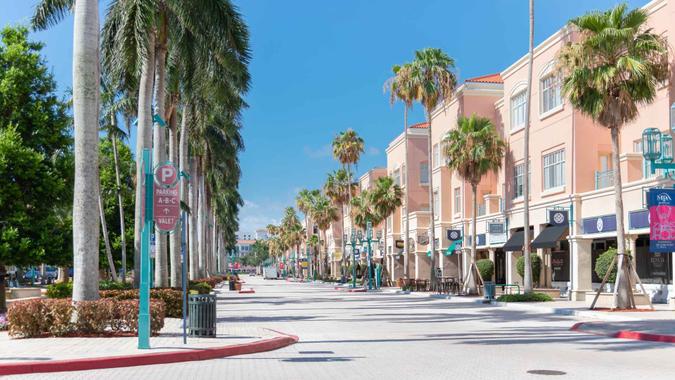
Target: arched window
x,y
550,89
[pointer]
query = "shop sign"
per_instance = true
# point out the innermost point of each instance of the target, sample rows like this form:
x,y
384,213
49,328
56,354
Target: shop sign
x,y
454,235
422,239
399,244
558,217
599,224
661,205
496,232
638,219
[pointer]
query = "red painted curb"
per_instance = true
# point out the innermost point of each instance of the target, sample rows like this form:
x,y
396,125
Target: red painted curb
x,y
148,359
247,291
359,290
628,334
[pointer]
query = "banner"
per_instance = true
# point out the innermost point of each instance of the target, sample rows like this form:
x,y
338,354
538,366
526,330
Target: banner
x,y
661,205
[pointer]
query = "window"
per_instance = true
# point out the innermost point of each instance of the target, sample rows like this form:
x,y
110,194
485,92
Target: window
x,y
458,200
403,175
436,161
397,177
550,92
518,109
437,204
519,180
554,169
424,173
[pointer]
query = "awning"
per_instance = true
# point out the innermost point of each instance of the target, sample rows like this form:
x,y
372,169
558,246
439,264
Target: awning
x,y
515,242
549,237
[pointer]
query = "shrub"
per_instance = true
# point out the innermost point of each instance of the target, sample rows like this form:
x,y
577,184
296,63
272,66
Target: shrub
x,y
536,267
25,318
173,298
486,268
528,297
59,314
60,290
200,287
114,285
603,262
53,317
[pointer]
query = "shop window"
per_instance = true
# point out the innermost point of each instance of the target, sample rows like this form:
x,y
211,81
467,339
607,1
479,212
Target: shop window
x,y
653,268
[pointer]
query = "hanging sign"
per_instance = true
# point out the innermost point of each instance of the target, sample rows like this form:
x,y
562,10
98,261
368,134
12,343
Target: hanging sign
x,y
399,244
661,204
454,235
558,217
166,197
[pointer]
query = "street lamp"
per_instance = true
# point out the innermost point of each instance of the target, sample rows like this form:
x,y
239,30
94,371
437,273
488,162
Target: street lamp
x,y
355,242
657,148
370,240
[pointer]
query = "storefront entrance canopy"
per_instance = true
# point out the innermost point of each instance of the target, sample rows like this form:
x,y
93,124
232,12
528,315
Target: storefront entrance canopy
x,y
515,242
549,237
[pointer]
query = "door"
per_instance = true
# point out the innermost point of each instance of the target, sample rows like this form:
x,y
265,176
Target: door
x,y
500,267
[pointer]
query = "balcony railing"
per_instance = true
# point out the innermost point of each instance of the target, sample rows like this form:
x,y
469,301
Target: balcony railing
x,y
604,179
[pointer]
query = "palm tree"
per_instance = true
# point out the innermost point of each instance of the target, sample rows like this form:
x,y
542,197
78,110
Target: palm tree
x,y
292,233
347,149
616,66
85,119
324,213
304,201
385,198
474,149
527,272
340,189
401,87
433,83
362,210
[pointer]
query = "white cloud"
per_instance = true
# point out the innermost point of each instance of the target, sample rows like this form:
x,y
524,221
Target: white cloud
x,y
255,215
373,151
320,152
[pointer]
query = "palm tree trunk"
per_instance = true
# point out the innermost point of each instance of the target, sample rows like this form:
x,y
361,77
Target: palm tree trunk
x,y
193,198
106,238
201,215
143,141
86,83
622,289
183,167
343,239
120,203
432,230
527,280
472,283
3,298
406,245
176,237
159,156
214,245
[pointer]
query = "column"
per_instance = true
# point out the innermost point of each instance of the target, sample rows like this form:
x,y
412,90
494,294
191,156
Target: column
x,y
491,254
580,254
539,252
510,263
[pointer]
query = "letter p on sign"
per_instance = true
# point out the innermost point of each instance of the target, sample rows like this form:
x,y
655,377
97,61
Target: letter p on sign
x,y
166,175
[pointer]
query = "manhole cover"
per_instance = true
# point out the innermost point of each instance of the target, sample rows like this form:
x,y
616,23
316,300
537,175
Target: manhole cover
x,y
546,372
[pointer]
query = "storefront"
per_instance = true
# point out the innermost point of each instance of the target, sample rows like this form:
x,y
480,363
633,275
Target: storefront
x,y
552,240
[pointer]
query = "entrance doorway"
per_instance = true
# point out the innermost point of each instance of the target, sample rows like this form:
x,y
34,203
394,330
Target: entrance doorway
x,y
500,267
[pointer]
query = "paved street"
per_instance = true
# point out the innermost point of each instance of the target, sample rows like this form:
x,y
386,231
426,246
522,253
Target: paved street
x,y
388,336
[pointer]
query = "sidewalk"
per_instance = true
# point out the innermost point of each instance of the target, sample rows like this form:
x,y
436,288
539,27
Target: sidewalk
x,y
54,354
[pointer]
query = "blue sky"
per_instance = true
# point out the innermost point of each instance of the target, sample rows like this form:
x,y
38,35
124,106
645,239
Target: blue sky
x,y
318,68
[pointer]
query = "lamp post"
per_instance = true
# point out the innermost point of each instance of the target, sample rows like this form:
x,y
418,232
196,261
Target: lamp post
x,y
355,241
370,240
657,148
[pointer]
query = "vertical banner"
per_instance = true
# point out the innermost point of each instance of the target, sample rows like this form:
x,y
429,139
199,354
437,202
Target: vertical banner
x,y
661,204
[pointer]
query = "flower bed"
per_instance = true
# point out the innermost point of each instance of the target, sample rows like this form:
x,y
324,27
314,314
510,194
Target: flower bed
x,y
54,317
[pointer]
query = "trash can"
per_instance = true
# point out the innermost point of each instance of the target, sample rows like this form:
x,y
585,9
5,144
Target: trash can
x,y
202,315
233,283
489,288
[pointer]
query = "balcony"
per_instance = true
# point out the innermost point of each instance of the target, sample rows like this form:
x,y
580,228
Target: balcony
x,y
604,179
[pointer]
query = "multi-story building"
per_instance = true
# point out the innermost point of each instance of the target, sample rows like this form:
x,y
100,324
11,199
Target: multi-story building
x,y
243,247
261,234
415,206
572,216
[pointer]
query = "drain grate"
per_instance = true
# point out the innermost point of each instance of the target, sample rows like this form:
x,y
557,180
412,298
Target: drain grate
x,y
546,372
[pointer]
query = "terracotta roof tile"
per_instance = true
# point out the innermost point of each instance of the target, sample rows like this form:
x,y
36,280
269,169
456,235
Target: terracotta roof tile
x,y
421,125
490,78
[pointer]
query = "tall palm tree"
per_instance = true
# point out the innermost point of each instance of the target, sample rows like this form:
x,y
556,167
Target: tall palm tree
x,y
347,149
304,201
386,197
324,213
362,210
339,189
616,66
401,87
527,272
474,149
433,83
86,79
292,233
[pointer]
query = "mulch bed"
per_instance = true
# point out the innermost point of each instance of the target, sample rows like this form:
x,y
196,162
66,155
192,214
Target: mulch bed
x,y
622,310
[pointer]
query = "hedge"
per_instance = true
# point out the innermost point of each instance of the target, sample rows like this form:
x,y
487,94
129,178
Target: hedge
x,y
604,260
536,267
54,317
527,297
173,298
200,287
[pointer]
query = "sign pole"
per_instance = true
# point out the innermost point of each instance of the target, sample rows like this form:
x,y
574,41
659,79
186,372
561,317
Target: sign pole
x,y
144,298
184,279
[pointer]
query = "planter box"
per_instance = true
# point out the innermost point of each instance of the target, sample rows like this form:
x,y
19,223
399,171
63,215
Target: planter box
x,y
551,292
16,293
605,299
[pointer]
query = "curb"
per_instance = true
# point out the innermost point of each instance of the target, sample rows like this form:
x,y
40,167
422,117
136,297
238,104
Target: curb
x,y
150,358
626,334
563,311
